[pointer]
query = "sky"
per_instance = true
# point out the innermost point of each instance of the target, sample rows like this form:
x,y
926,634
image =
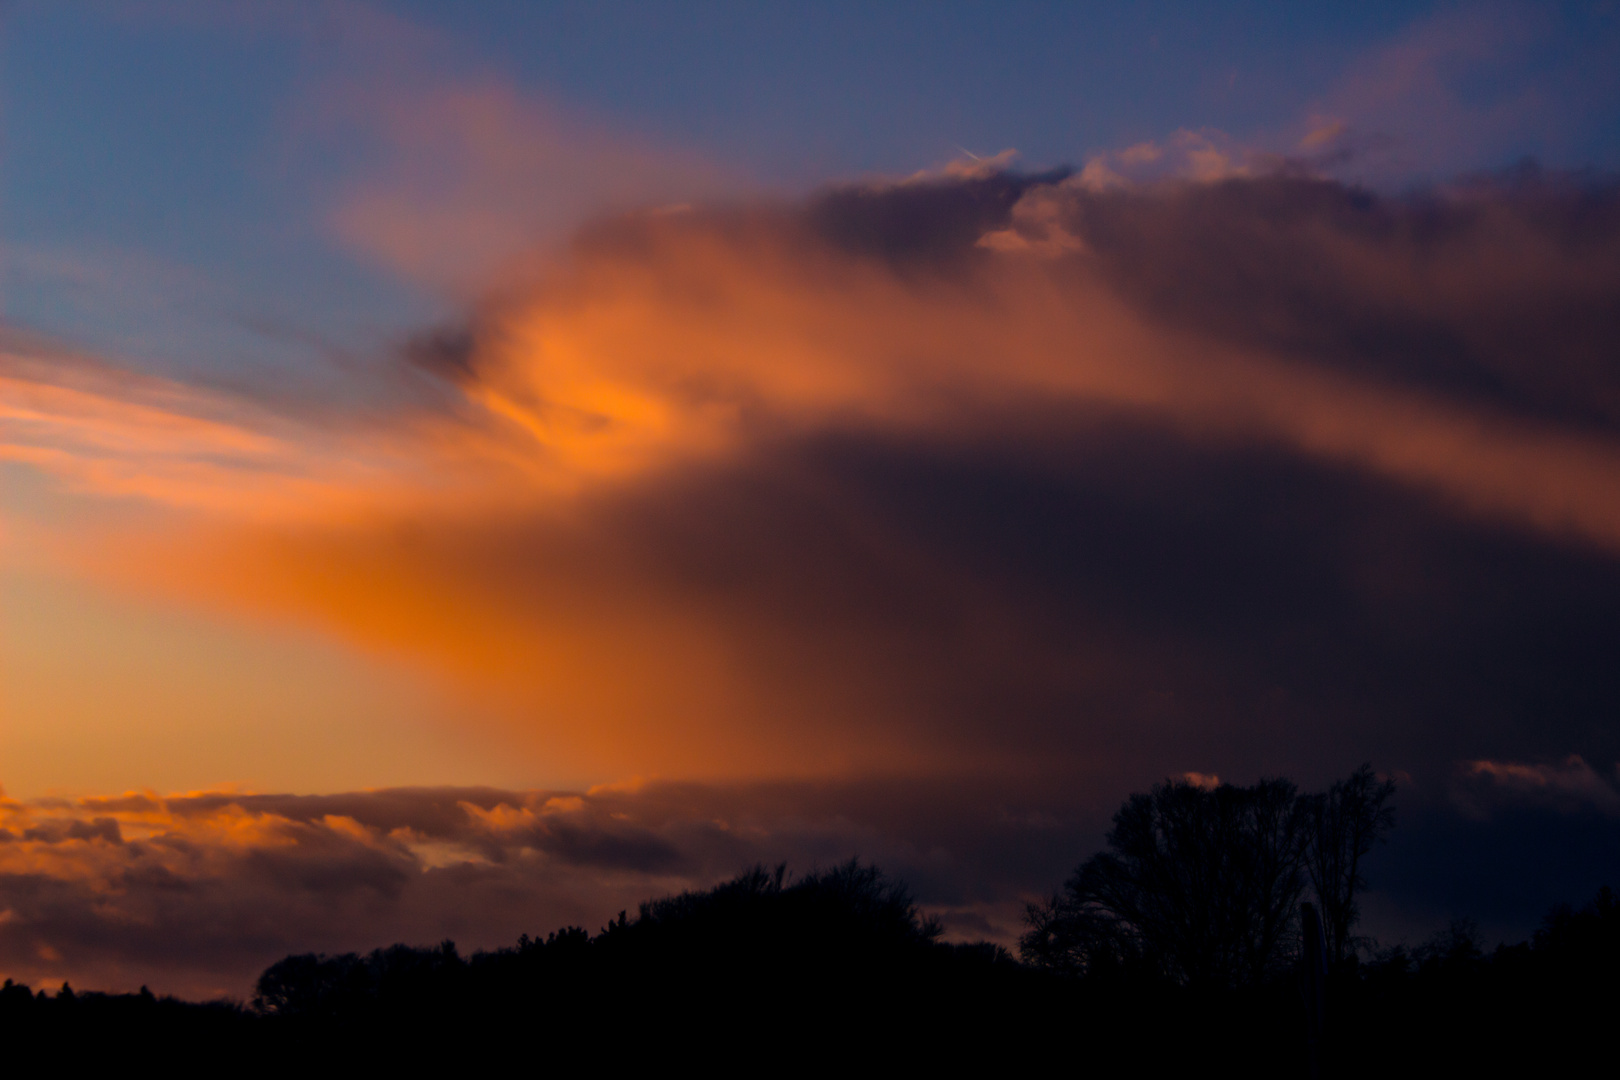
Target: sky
x,y
465,469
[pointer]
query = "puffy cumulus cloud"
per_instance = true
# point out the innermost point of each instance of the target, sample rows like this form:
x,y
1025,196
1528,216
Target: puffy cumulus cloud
x,y
1201,156
197,893
995,472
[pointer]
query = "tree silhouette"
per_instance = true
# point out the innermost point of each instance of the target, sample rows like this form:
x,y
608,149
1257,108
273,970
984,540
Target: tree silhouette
x,y
1345,823
1198,886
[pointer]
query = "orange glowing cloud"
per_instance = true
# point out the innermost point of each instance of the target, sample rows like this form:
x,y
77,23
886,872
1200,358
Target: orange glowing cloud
x,y
698,338
525,537
670,338
113,434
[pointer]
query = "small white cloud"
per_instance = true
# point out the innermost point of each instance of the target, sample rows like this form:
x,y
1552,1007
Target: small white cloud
x,y
1203,156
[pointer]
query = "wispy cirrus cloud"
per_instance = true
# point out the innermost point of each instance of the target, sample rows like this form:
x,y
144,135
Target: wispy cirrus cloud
x,y
1474,87
112,433
463,178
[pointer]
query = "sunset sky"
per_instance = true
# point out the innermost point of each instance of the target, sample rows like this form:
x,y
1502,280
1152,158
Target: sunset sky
x,y
467,468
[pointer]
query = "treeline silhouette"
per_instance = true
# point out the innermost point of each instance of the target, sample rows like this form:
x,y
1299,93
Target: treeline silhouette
x,y
1180,947
753,961
1201,883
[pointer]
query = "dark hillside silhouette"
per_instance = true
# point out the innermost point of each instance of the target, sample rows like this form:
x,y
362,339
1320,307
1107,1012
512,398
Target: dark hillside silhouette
x,y
77,1029
761,962
1542,1007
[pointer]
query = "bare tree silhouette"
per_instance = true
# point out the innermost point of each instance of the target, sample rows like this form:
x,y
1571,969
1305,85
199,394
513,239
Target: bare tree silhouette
x,y
1345,823
1198,886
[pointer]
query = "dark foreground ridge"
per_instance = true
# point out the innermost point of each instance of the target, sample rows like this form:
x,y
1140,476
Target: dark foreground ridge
x,y
838,969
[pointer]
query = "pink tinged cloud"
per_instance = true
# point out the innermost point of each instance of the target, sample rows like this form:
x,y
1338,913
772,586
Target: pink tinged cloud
x,y
1570,785
462,179
196,893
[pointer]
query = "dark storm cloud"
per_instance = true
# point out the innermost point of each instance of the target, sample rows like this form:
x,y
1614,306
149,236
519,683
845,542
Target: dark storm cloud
x,y
926,223
974,504
1500,290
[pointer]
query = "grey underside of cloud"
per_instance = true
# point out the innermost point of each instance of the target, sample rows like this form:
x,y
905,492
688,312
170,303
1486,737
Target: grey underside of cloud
x,y
1499,291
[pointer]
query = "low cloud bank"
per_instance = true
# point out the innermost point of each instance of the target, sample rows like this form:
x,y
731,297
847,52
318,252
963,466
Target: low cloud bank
x,y
197,893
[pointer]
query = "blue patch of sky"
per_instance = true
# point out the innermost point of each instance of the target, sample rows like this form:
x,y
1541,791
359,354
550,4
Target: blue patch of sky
x,y
799,92
150,210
